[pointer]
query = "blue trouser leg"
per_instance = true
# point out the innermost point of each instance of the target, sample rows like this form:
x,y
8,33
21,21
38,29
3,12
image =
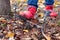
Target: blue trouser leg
x,y
33,2
49,2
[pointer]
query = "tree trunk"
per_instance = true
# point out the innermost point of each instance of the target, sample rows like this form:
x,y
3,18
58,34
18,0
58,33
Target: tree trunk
x,y
4,7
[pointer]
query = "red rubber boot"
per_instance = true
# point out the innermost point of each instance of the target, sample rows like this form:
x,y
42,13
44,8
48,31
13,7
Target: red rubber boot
x,y
53,14
29,13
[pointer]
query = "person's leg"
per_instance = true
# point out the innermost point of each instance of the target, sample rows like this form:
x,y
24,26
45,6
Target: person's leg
x,y
49,8
31,9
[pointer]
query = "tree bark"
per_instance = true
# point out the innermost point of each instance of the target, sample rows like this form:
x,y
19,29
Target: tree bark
x,y
5,7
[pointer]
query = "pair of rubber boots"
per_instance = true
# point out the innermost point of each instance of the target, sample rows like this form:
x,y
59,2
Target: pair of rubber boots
x,y
31,10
